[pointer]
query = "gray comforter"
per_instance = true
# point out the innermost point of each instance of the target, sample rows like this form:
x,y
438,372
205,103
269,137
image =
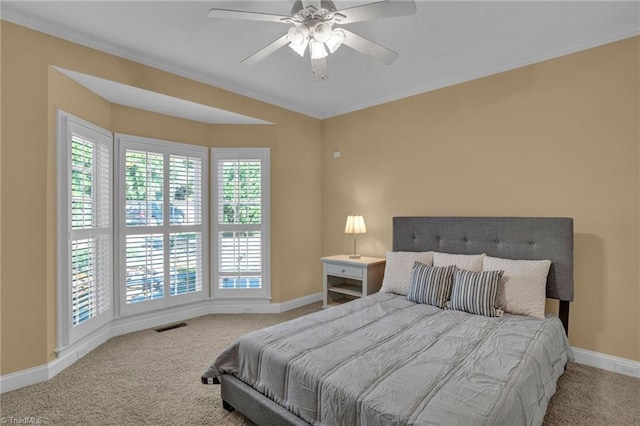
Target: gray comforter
x,y
383,360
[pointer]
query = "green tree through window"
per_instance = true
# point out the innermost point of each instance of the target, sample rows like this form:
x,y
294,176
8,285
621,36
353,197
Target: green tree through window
x,y
242,192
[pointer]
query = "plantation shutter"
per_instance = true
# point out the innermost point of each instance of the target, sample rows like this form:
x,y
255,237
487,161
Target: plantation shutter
x,y
163,202
185,210
88,252
240,225
144,205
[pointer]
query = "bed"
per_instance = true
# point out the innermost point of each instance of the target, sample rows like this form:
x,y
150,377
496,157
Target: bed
x,y
383,359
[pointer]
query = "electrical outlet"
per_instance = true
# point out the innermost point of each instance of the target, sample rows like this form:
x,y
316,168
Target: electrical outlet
x,y
627,369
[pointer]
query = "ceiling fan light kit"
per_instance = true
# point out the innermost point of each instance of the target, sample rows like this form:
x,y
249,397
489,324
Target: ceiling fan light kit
x,y
299,39
313,28
336,40
317,50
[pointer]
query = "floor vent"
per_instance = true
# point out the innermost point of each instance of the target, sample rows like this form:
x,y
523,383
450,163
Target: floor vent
x,y
171,327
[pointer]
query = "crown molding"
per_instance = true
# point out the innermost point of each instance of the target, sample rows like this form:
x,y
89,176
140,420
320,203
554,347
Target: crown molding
x,y
627,32
7,13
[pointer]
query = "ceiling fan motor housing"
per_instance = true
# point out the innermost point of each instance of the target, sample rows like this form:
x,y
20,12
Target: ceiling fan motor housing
x,y
301,15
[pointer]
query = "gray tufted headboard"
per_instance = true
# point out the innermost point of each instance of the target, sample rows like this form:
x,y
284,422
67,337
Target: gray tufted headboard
x,y
529,238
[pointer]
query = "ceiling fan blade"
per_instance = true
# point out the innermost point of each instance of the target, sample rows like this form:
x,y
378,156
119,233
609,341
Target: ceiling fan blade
x,y
380,10
319,69
367,47
251,16
314,3
266,51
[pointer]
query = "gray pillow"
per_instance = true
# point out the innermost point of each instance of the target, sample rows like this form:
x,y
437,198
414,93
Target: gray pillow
x,y
431,285
476,292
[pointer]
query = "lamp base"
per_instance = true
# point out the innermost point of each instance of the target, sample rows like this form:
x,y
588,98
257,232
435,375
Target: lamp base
x,y
354,256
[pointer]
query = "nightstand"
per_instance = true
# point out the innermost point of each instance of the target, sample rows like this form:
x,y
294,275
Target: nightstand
x,y
344,279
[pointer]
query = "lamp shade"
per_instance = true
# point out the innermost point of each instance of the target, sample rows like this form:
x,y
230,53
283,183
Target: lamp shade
x,y
317,50
299,38
355,225
335,41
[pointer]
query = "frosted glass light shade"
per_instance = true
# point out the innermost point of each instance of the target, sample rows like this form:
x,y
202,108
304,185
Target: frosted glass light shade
x,y
299,48
317,50
335,41
322,32
299,39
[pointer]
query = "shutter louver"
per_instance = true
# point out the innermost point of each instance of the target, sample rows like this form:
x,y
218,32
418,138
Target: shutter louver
x,y
83,285
145,267
186,190
144,180
82,176
186,263
239,192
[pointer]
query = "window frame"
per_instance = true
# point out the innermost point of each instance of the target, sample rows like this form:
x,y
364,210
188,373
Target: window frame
x,y
67,125
117,307
257,295
167,148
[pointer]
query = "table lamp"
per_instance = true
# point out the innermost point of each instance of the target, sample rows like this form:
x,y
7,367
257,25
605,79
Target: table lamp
x,y
355,225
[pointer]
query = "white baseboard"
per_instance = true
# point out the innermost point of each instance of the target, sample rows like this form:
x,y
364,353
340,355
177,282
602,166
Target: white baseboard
x,y
290,305
129,324
607,362
23,378
236,306
124,325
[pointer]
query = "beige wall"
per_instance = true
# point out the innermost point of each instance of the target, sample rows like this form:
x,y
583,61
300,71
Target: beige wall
x,y
31,92
559,138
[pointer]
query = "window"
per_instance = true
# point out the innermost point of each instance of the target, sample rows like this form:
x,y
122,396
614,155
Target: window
x,y
147,247
241,223
85,229
162,203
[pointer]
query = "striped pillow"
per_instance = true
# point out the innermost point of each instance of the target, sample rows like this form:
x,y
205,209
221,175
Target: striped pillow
x,y
431,285
476,292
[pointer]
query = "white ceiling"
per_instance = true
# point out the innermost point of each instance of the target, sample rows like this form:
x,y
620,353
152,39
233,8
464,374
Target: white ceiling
x,y
443,44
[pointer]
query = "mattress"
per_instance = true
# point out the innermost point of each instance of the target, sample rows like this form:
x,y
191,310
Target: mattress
x,y
383,360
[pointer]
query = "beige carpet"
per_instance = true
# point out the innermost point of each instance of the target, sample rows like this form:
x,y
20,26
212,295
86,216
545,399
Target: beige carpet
x,y
150,378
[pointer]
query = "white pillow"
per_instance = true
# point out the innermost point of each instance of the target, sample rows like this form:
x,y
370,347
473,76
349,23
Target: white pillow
x,y
524,284
470,262
397,271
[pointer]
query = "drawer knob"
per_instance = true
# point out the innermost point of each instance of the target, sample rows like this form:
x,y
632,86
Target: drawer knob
x,y
344,270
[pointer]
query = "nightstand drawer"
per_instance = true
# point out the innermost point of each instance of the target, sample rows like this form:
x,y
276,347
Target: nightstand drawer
x,y
344,271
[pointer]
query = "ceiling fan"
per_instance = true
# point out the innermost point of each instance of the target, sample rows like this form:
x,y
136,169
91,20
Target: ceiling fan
x,y
313,28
